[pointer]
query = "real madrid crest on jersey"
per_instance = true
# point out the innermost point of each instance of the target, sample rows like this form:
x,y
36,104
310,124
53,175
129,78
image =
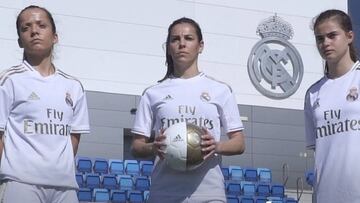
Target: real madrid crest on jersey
x,y
274,65
68,100
353,94
205,96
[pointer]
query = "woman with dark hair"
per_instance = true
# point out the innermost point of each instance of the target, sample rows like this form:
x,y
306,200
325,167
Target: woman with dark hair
x,y
186,94
43,112
332,110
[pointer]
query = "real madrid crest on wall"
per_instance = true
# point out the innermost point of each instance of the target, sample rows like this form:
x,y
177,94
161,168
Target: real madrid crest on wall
x,y
274,65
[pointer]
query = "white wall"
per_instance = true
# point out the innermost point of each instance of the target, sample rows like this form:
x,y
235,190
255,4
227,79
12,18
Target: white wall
x,y
116,46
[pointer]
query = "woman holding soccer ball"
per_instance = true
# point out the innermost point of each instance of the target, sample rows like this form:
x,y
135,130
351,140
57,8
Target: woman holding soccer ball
x,y
187,95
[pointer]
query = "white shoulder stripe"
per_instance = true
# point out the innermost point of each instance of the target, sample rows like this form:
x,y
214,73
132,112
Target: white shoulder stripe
x,y
357,65
211,78
67,76
18,67
11,71
151,87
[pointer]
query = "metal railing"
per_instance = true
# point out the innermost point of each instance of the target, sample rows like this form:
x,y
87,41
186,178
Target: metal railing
x,y
285,175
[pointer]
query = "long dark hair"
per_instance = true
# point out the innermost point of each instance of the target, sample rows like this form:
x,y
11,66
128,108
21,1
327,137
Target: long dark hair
x,y
344,21
169,60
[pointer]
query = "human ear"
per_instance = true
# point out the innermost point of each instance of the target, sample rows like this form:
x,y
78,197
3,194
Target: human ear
x,y
56,39
201,46
350,36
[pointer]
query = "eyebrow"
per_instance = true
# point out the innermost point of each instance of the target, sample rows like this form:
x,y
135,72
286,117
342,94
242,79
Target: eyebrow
x,y
176,35
325,34
31,22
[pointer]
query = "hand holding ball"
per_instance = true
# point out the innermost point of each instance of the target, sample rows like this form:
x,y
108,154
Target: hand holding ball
x,y
183,150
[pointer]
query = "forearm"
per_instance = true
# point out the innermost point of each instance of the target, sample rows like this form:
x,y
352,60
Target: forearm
x,y
75,140
142,150
234,145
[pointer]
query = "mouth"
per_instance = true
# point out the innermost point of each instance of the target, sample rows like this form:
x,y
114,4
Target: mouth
x,y
34,41
328,52
182,53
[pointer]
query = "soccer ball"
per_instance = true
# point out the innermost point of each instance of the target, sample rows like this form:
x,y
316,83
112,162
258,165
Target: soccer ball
x,y
183,150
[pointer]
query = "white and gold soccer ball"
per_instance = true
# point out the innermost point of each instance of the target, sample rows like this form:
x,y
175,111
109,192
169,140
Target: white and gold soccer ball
x,y
183,150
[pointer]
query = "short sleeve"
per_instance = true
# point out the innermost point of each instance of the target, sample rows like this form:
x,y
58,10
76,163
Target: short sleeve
x,y
6,99
144,117
230,116
80,122
309,123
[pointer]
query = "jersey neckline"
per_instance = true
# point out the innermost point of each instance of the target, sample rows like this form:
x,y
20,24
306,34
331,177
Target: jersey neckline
x,y
355,66
37,73
194,78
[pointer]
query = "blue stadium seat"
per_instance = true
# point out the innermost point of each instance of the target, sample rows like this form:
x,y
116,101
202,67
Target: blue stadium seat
x,y
290,200
247,199
260,199
277,190
233,188
101,166
80,179
263,189
118,196
84,164
84,195
232,199
248,188
109,181
92,180
126,182
132,167
236,173
116,166
264,175
146,167
142,183
226,173
275,199
250,174
135,196
310,177
101,195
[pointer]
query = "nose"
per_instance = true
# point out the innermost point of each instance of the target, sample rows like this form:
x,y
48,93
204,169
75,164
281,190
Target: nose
x,y
182,42
34,30
326,41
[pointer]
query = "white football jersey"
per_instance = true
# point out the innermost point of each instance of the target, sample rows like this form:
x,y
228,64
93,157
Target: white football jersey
x,y
332,121
37,115
202,101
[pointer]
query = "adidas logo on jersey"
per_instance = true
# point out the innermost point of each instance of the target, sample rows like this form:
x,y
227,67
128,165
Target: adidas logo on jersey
x,y
33,96
168,97
178,138
316,103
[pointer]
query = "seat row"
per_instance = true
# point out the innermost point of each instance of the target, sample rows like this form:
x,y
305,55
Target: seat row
x,y
145,167
259,199
115,196
114,166
246,188
110,181
236,173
